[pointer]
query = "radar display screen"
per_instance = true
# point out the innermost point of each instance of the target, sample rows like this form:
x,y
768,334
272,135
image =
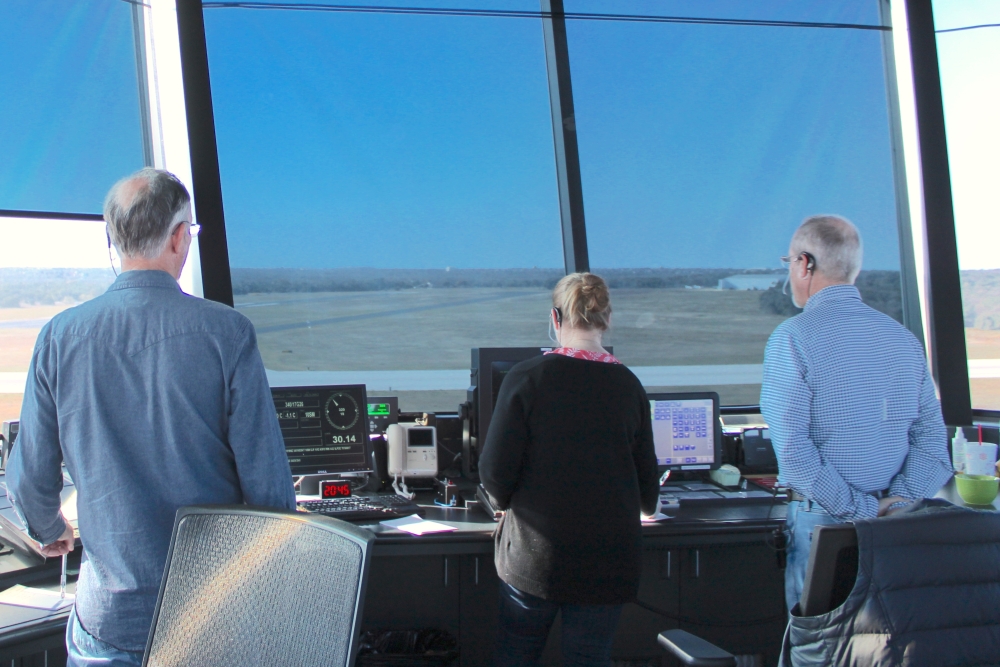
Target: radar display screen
x,y
325,428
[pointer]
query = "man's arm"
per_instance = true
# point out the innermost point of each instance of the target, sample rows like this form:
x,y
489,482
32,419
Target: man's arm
x,y
927,466
34,471
254,434
786,403
503,453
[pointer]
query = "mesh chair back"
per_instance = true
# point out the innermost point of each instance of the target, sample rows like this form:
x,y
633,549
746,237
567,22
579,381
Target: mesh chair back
x,y
246,587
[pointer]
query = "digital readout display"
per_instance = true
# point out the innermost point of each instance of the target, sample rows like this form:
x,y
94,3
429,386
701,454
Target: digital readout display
x,y
324,428
378,409
331,489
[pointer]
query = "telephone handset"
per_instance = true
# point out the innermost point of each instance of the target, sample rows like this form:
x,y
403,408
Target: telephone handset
x,y
412,452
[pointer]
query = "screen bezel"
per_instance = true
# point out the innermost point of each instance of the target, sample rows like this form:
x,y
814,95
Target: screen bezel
x,y
716,427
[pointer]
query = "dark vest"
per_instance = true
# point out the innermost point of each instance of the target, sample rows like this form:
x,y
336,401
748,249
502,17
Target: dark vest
x,y
927,593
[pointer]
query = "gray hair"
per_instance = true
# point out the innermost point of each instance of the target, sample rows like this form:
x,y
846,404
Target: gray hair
x,y
835,243
139,209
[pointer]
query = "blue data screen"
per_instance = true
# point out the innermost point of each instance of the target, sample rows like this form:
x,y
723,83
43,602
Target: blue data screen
x,y
683,431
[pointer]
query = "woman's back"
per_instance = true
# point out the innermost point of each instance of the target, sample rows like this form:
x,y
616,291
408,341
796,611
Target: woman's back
x,y
570,453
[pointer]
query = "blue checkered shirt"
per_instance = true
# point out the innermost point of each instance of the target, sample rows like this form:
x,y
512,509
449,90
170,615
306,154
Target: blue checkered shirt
x,y
851,407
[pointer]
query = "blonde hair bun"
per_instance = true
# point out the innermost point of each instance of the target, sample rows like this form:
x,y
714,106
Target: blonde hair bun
x,y
584,301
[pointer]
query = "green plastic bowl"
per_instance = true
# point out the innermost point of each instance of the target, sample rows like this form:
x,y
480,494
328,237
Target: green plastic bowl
x,y
977,489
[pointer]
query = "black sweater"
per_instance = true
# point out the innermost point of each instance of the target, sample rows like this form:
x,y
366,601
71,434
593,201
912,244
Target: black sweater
x,y
570,456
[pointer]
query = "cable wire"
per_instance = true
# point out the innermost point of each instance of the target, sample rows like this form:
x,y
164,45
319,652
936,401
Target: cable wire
x,y
970,27
502,13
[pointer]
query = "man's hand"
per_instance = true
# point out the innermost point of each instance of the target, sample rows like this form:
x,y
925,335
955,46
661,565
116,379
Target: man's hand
x,y
884,503
63,545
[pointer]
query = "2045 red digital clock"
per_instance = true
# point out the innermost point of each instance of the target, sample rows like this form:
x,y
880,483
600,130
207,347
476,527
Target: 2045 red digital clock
x,y
334,489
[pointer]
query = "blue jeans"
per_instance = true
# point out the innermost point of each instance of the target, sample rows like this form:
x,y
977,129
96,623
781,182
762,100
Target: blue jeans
x,y
85,650
802,518
525,620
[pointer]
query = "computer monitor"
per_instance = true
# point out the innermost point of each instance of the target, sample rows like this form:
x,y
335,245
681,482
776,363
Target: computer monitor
x,y
686,430
325,428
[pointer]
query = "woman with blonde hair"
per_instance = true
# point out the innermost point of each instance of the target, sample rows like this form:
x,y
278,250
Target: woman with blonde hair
x,y
570,457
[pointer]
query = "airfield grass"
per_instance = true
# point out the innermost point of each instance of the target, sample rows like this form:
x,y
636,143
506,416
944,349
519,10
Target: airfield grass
x,y
430,329
650,327
437,328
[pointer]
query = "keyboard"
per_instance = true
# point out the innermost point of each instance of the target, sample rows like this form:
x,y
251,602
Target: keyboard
x,y
375,507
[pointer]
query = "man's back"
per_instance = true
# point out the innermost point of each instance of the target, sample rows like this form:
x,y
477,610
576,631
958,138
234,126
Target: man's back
x,y
850,383
158,400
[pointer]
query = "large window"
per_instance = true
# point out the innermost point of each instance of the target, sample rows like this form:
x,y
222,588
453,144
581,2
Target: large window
x,y
391,197
389,187
707,134
69,122
70,126
968,43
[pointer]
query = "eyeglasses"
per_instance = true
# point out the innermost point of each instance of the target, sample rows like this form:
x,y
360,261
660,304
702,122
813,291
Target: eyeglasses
x,y
194,228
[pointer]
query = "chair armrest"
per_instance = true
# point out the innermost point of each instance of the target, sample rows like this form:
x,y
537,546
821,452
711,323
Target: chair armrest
x,y
695,651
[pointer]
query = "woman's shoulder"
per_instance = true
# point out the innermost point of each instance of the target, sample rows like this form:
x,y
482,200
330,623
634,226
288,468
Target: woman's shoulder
x,y
615,372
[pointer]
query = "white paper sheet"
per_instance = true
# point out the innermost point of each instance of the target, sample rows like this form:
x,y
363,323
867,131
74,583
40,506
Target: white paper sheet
x,y
37,598
414,525
68,506
656,518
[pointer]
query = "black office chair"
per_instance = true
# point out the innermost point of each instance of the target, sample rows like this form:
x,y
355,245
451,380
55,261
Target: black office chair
x,y
247,587
918,588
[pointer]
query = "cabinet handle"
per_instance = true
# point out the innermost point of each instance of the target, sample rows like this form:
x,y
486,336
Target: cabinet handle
x,y
446,571
477,570
697,563
669,562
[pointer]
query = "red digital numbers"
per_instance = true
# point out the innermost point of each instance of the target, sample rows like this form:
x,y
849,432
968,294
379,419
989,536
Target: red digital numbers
x,y
334,489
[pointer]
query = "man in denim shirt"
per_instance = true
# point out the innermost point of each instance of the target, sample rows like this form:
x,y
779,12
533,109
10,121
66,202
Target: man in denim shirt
x,y
853,414
154,400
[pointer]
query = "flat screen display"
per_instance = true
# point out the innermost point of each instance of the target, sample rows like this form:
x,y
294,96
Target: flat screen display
x,y
685,430
325,428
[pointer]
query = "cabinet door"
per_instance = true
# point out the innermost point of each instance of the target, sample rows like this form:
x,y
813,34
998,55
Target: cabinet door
x,y
658,589
738,591
413,592
478,610
635,638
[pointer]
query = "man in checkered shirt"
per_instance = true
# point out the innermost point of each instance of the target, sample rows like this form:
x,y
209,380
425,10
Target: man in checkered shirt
x,y
853,414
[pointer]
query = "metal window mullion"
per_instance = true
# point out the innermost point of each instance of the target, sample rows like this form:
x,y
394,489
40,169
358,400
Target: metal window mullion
x,y
142,80
912,312
206,179
569,182
949,361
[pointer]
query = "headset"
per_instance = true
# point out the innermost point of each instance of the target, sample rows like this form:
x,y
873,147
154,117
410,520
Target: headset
x,y
810,261
552,332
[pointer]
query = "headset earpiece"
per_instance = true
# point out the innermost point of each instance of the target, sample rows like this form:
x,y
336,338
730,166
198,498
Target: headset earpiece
x,y
810,261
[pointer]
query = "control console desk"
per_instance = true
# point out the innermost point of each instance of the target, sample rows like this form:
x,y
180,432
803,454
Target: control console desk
x,y
707,565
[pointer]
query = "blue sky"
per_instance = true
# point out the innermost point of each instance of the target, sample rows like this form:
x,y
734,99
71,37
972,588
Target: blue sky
x,y
425,141
352,139
69,107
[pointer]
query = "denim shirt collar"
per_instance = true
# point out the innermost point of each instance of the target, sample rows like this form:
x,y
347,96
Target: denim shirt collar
x,y
132,279
831,294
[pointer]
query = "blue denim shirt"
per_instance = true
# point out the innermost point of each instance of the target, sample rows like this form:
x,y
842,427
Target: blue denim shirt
x,y
851,407
155,400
